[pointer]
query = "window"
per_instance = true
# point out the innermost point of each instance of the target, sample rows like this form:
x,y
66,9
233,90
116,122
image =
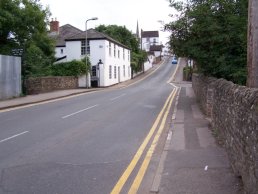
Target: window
x,y
62,51
94,71
118,54
129,72
83,51
88,47
123,53
110,72
115,72
109,48
114,50
128,55
124,70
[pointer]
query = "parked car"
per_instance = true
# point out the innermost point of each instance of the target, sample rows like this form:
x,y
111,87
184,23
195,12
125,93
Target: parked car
x,y
174,60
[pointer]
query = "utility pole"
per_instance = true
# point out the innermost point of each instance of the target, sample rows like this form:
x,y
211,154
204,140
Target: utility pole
x,y
252,44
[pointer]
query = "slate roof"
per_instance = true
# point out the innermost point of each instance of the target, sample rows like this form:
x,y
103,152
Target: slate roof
x,y
156,47
65,31
94,35
146,34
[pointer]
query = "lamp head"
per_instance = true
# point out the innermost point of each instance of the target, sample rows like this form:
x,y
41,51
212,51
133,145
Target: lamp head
x,y
94,18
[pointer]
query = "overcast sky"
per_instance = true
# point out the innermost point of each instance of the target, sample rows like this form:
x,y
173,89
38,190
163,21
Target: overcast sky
x,y
119,12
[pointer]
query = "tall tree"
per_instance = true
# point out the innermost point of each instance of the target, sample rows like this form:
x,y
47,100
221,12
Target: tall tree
x,y
23,25
252,57
121,34
213,33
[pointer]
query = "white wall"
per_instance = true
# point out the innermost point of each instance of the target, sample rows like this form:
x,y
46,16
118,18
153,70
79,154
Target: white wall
x,y
122,65
157,53
149,63
58,53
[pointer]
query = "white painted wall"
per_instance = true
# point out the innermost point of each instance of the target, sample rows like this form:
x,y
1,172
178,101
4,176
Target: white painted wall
x,y
73,50
149,63
118,62
58,52
157,53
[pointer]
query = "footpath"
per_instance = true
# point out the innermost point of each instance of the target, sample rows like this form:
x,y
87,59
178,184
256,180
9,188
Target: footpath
x,y
192,162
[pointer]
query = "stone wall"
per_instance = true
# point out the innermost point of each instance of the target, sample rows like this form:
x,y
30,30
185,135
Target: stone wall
x,y
46,84
203,89
234,114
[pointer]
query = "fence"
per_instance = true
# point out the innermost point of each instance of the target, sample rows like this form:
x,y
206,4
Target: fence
x,y
10,77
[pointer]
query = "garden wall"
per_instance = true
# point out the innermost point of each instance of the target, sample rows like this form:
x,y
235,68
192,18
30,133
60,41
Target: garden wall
x,y
234,114
47,84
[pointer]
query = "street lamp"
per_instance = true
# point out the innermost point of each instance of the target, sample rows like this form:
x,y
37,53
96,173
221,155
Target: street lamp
x,y
86,48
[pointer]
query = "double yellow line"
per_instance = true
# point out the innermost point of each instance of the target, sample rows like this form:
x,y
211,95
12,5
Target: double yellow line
x,y
162,117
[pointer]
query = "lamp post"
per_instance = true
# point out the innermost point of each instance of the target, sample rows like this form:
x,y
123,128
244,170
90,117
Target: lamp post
x,y
86,48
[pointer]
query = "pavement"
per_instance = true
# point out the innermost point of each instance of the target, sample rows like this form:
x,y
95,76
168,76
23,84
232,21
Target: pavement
x,y
37,98
192,162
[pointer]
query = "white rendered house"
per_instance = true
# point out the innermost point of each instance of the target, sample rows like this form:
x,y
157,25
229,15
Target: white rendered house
x,y
110,60
149,38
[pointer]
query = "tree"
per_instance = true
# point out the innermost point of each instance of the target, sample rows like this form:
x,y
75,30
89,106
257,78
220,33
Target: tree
x,y
23,25
213,33
252,58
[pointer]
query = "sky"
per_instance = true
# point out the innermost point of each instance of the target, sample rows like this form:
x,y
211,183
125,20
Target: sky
x,y
109,12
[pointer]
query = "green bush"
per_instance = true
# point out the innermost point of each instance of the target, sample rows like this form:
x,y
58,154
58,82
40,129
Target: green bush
x,y
187,73
72,68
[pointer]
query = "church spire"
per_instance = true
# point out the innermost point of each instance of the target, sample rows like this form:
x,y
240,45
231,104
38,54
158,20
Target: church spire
x,y
137,31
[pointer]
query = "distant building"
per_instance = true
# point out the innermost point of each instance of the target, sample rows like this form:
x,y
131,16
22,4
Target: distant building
x,y
149,38
110,60
156,50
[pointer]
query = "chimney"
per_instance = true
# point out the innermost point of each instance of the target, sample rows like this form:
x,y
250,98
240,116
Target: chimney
x,y
54,26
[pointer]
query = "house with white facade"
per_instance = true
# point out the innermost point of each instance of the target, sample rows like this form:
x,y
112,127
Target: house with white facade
x,y
110,60
156,51
150,43
149,38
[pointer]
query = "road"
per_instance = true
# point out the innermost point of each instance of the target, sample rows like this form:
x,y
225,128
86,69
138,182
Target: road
x,y
85,144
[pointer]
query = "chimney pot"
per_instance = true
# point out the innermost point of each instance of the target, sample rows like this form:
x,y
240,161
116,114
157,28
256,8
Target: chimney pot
x,y
54,26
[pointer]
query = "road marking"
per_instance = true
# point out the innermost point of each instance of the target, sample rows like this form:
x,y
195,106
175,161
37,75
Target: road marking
x,y
122,180
144,77
112,99
31,104
169,136
64,117
138,179
206,168
6,139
